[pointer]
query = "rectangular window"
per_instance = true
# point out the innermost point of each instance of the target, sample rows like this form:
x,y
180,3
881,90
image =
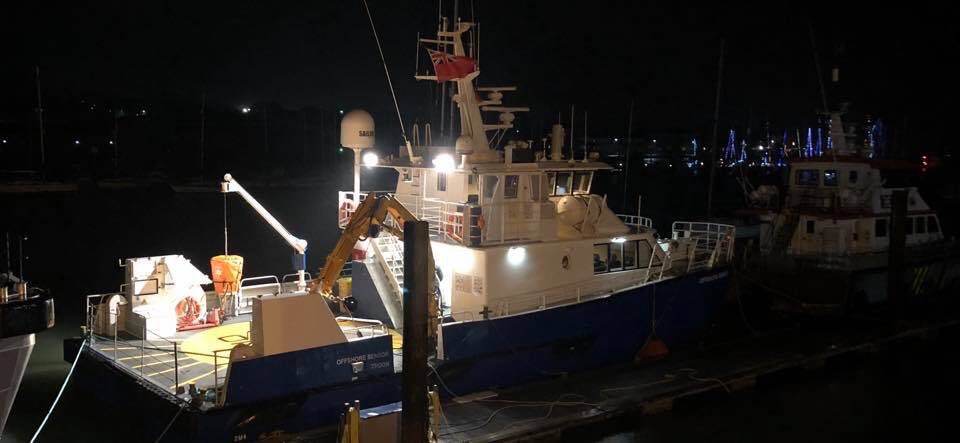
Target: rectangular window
x,y
808,177
441,181
581,183
811,226
630,255
644,252
921,222
535,188
616,257
600,254
830,177
490,186
511,186
880,227
563,183
932,224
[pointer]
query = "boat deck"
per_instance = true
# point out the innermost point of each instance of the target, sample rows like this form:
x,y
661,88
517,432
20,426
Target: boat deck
x,y
199,357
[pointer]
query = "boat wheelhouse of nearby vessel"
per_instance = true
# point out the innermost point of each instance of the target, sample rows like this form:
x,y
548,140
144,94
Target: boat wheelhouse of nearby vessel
x,y
836,224
536,276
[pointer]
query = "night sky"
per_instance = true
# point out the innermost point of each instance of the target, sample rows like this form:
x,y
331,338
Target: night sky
x,y
896,63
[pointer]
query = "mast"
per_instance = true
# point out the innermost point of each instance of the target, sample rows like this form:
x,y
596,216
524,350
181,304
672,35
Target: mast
x,y
716,121
43,152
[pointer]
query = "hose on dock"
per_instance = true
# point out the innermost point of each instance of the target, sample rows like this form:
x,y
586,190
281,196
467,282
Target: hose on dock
x,y
59,394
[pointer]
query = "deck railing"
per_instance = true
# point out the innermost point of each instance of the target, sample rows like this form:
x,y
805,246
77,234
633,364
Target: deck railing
x,y
637,222
712,242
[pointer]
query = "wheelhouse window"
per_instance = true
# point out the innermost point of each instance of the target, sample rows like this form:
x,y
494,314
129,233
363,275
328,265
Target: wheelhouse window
x,y
830,177
562,183
600,257
511,186
880,227
808,177
441,181
932,224
490,186
535,188
581,183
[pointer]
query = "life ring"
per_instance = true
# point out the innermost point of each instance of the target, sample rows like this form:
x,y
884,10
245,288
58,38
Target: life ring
x,y
188,311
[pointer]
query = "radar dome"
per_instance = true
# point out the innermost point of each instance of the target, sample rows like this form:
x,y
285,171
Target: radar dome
x,y
357,130
464,144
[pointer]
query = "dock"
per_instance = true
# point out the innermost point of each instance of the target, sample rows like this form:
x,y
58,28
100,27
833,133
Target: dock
x,y
550,409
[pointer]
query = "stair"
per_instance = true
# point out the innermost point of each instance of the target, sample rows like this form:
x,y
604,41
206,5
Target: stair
x,y
391,249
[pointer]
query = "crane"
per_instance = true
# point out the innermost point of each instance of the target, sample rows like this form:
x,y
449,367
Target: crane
x,y
299,245
367,221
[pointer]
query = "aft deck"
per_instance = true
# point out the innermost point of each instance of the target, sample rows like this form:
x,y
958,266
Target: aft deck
x,y
198,357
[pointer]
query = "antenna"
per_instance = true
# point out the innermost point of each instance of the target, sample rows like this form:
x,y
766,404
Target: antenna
x,y
386,71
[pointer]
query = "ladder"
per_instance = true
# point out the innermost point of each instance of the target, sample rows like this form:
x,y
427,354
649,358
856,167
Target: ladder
x,y
389,251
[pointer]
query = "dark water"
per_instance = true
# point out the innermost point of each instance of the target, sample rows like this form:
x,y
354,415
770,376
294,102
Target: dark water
x,y
76,240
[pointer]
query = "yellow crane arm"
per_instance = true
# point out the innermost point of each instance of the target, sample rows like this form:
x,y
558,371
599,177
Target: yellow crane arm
x,y
367,220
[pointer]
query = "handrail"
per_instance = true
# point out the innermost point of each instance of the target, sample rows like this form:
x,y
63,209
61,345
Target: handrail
x,y
241,301
284,280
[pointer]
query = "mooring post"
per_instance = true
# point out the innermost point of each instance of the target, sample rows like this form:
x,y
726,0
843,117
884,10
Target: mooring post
x,y
898,243
413,419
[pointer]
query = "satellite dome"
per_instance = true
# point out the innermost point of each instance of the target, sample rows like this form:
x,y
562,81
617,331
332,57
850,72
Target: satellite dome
x,y
357,130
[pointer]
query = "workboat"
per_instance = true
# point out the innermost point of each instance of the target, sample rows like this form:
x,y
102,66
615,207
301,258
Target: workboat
x,y
831,246
533,277
24,311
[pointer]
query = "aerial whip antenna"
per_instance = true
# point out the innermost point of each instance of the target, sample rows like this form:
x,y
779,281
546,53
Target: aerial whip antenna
x,y
386,71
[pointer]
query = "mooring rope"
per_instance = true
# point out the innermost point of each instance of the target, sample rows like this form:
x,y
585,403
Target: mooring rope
x,y
59,394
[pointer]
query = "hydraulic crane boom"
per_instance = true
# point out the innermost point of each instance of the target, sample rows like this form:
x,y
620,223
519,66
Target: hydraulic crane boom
x,y
298,244
369,218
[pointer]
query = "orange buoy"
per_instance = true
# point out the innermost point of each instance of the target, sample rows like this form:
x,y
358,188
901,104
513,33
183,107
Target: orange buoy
x,y
655,349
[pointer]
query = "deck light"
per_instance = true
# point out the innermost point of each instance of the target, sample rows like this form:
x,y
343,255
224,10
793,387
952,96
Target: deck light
x,y
516,255
370,159
618,239
444,163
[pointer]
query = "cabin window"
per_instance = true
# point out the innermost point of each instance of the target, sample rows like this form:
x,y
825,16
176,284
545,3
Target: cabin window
x,y
490,186
535,188
852,177
563,183
441,181
811,226
808,177
830,177
909,226
630,255
600,253
932,224
644,252
880,227
405,173
511,186
921,223
581,182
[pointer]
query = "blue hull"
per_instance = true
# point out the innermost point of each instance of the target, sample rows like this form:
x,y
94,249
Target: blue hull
x,y
479,355
512,350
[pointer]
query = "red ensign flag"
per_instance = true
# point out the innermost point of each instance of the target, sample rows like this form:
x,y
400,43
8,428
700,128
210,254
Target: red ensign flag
x,y
451,67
